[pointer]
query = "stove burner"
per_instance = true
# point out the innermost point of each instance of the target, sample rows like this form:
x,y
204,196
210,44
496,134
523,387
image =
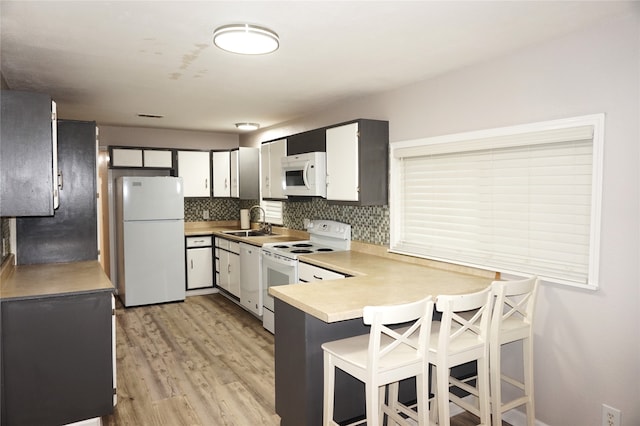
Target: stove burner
x,y
324,249
303,251
302,245
281,246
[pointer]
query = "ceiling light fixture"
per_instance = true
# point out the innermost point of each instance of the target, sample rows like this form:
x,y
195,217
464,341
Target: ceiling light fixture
x,y
247,126
246,39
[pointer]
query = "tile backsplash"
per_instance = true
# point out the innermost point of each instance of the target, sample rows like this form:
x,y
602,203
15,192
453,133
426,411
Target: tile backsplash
x,y
369,224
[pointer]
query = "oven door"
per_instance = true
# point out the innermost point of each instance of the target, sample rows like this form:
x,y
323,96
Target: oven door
x,y
276,270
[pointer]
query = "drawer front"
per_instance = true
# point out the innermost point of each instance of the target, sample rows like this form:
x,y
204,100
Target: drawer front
x,y
310,273
222,243
234,247
200,241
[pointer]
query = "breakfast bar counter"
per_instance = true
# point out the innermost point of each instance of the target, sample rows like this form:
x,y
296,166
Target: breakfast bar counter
x,y
307,315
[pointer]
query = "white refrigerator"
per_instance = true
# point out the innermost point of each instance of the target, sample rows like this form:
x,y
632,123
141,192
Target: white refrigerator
x,y
150,240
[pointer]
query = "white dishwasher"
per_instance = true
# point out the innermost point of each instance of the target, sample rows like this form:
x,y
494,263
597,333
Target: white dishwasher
x,y
250,278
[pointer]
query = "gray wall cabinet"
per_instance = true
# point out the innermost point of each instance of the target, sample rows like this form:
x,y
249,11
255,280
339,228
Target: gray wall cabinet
x,y
69,235
26,154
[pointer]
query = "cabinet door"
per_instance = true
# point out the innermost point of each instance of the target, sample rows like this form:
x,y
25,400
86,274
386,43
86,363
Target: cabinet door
x,y
342,163
126,157
250,282
309,273
265,170
158,158
224,269
26,154
195,171
199,267
235,187
234,274
221,162
277,150
71,234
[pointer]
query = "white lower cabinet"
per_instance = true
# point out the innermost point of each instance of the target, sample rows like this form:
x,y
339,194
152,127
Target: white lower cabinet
x,y
199,262
309,273
228,266
250,278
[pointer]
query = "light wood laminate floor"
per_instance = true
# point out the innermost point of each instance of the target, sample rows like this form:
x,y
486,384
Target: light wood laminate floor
x,y
202,362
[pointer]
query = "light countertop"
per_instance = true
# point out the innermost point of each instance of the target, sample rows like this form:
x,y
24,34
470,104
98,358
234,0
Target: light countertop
x,y
376,281
218,228
52,279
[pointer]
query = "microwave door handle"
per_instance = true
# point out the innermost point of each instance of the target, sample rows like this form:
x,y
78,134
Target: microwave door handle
x,y
305,176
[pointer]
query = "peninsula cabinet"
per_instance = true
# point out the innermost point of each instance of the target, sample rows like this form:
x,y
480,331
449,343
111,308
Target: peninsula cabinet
x,y
357,162
194,167
271,181
28,154
221,164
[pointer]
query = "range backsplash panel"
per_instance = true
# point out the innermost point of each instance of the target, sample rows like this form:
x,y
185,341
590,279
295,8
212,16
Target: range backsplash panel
x,y
369,224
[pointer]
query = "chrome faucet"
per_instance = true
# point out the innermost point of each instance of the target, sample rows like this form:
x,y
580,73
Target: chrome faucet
x,y
264,227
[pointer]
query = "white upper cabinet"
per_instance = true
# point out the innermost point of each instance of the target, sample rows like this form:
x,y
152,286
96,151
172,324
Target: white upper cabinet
x,y
126,157
157,158
194,167
357,162
342,163
271,182
221,162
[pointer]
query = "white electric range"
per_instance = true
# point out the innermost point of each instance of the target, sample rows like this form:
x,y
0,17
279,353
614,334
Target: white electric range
x,y
280,260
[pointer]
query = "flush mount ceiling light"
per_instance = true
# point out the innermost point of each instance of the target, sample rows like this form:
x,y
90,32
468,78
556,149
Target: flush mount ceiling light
x,y
246,39
248,126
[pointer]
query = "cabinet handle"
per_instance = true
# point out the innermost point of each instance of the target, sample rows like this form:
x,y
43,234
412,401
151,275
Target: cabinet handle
x,y
206,183
60,179
191,263
226,183
229,268
317,277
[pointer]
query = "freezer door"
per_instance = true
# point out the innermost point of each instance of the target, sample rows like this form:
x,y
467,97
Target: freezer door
x,y
153,269
151,197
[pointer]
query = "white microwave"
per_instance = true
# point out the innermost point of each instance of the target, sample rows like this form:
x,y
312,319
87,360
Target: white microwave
x,y
305,174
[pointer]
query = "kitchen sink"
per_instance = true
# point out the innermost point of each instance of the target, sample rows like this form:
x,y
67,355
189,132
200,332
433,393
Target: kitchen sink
x,y
247,233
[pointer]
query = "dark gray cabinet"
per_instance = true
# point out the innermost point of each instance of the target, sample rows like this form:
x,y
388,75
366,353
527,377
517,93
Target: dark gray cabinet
x,y
69,235
26,154
311,141
57,362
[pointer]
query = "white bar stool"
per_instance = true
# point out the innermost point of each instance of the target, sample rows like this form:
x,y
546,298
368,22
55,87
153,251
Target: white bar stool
x,y
512,320
382,357
461,336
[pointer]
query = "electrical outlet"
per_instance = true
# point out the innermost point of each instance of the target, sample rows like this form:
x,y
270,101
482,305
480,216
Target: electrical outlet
x,y
205,214
610,416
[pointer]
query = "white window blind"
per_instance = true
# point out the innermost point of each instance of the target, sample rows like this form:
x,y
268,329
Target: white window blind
x,y
519,200
273,211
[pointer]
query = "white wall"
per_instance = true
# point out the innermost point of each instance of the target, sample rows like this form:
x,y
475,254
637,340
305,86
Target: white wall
x,y
165,138
587,347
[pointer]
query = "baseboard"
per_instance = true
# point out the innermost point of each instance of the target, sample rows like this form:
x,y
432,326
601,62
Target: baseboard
x,y
513,417
201,291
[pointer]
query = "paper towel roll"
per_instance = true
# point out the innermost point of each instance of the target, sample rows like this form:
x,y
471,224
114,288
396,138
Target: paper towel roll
x,y
244,219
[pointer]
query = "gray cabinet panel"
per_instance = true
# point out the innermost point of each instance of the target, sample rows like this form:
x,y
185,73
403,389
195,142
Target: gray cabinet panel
x,y
56,359
26,154
71,233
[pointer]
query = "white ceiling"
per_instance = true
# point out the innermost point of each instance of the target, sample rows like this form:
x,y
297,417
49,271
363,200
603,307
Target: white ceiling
x,y
109,61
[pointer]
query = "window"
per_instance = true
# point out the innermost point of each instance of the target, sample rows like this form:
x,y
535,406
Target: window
x,y
517,200
273,211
